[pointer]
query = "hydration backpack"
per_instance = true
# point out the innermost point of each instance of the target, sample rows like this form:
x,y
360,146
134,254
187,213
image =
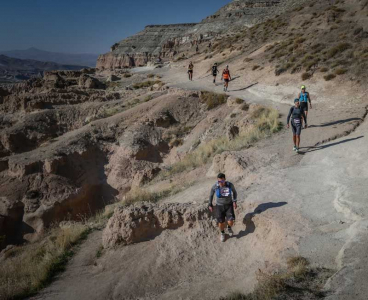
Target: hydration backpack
x,y
226,191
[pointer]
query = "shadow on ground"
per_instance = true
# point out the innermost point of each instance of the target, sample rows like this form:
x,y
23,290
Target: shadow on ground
x,y
316,148
250,227
245,88
336,122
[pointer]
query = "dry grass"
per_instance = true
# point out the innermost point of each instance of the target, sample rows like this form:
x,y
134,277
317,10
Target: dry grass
x,y
297,276
329,77
265,123
29,268
212,100
306,76
145,84
340,71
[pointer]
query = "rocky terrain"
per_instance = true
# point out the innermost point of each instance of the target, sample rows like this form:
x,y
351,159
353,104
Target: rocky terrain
x,y
48,56
14,69
143,145
165,41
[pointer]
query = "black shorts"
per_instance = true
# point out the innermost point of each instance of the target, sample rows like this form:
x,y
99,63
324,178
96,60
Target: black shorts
x,y
190,71
296,127
223,211
226,80
214,74
304,106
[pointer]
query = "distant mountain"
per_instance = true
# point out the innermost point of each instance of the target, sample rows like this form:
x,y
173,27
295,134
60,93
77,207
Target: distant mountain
x,y
14,69
60,58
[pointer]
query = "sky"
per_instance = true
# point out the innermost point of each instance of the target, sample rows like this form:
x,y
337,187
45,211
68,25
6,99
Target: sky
x,y
90,26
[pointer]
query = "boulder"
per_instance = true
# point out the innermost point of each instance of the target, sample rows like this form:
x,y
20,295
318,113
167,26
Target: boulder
x,y
113,78
144,221
90,82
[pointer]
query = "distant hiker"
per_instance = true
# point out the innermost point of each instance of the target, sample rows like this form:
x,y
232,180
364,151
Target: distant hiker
x,y
210,45
304,98
197,49
214,72
190,71
297,118
227,77
226,197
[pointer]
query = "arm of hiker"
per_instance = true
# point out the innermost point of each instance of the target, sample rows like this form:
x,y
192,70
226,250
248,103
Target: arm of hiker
x,y
229,76
212,193
235,196
288,117
310,101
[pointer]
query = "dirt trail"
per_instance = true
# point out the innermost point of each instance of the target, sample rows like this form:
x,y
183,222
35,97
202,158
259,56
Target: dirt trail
x,y
311,204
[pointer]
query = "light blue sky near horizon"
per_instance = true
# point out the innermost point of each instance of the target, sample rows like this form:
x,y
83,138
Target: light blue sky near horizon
x,y
81,26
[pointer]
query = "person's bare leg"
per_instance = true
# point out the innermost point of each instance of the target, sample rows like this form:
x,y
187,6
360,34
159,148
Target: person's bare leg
x,y
294,140
230,223
298,141
222,226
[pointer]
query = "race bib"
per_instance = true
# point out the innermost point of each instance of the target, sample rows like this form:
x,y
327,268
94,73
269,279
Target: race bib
x,y
225,192
297,121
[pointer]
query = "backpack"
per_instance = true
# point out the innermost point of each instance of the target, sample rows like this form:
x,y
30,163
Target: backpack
x,y
227,192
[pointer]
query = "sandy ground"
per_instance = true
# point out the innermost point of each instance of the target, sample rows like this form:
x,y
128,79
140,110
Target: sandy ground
x,y
313,204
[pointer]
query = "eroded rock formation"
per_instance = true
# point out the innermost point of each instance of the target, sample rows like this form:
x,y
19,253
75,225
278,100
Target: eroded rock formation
x,y
144,221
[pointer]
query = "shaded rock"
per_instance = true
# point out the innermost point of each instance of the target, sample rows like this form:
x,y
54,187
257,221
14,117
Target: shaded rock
x,y
113,78
90,82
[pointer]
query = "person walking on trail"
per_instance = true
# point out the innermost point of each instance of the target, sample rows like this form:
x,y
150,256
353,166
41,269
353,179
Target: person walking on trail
x,y
226,197
227,77
214,72
297,116
197,49
304,98
190,71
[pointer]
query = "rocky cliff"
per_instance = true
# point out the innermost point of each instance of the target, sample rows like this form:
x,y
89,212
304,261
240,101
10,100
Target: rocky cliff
x,y
163,41
153,42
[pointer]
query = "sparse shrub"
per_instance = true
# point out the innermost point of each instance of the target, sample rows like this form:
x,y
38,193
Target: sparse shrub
x,y
323,70
340,71
127,75
337,49
245,107
255,67
265,123
30,267
248,59
329,77
150,75
145,84
212,100
148,98
306,76
239,101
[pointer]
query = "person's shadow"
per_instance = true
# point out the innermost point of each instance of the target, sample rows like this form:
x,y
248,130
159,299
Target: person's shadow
x,y
250,227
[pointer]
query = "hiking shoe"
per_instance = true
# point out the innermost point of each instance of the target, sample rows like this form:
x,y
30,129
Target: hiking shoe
x,y
294,148
230,231
297,150
224,89
223,237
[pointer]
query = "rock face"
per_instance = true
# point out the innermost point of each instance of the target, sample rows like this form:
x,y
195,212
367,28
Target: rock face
x,y
153,42
144,221
163,41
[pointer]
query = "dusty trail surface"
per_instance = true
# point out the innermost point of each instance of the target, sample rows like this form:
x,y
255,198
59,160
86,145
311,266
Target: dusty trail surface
x,y
312,204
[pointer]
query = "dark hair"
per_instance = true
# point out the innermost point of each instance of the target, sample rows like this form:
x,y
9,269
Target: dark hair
x,y
221,175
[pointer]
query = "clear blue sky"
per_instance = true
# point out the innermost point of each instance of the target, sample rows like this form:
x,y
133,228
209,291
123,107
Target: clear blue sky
x,y
89,26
